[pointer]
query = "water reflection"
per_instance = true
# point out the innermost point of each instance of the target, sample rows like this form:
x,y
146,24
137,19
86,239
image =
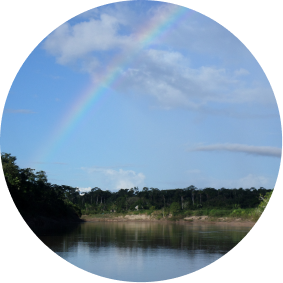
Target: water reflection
x,y
144,251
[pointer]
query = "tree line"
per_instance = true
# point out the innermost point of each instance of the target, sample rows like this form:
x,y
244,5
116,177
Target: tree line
x,y
32,191
189,198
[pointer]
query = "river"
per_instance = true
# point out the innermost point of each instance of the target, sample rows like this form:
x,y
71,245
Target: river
x,y
143,251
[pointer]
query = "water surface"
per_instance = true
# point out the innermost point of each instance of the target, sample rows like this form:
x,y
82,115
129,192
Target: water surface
x,y
143,251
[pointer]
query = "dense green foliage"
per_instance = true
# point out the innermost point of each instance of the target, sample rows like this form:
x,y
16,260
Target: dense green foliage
x,y
174,201
31,192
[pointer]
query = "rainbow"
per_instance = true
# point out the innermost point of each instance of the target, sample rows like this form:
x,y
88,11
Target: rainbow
x,y
152,30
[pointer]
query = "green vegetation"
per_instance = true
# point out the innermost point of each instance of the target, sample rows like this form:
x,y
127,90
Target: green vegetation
x,y
33,194
190,201
175,207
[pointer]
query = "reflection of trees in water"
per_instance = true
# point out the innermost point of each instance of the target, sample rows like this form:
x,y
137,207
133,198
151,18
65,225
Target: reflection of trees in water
x,y
170,236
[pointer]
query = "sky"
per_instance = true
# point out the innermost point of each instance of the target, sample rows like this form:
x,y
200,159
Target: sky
x,y
143,94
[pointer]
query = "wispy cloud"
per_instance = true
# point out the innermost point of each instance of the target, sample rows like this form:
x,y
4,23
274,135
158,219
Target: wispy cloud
x,y
168,77
241,72
55,77
247,181
19,111
194,171
114,166
252,180
58,163
249,149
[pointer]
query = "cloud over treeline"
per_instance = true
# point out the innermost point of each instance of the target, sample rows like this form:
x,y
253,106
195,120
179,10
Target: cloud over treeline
x,y
116,179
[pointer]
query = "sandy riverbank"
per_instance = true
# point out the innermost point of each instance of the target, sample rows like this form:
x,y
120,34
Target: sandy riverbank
x,y
185,220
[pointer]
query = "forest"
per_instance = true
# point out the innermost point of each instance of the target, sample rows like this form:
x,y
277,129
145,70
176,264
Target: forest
x,y
32,193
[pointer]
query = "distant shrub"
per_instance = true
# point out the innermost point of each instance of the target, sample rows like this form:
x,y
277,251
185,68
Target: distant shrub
x,y
188,213
175,208
219,212
200,212
150,210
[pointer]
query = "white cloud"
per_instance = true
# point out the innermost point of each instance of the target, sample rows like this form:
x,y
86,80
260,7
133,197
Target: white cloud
x,y
202,180
84,190
253,181
168,77
117,179
89,65
159,72
202,35
70,43
248,181
241,72
164,58
250,149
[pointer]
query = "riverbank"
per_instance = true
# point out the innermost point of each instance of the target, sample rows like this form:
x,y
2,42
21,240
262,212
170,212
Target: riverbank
x,y
169,219
41,224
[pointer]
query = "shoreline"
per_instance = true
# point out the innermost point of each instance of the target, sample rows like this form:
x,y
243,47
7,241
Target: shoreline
x,y
40,223
187,220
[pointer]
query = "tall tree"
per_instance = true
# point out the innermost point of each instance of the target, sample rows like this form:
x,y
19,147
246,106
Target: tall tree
x,y
11,169
41,176
136,190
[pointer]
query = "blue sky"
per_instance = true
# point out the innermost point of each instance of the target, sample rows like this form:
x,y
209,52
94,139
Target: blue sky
x,y
193,108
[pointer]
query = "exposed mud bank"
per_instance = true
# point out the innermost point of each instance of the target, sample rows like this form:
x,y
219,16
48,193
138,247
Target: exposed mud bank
x,y
185,220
